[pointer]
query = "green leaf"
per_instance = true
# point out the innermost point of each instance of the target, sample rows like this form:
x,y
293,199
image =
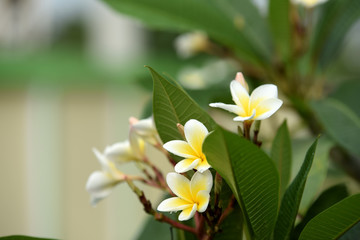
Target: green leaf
x,y
21,237
328,198
352,234
250,174
348,93
317,174
335,20
334,221
232,227
340,122
171,105
280,25
282,156
291,200
227,21
155,230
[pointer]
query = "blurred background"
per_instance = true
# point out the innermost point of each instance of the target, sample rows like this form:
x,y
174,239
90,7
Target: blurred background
x,y
71,74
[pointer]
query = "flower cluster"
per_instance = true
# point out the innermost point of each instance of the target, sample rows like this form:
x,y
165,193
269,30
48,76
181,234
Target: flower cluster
x,y
101,183
189,196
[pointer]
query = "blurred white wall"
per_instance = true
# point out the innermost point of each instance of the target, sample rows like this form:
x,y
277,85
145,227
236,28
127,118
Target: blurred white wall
x,y
47,133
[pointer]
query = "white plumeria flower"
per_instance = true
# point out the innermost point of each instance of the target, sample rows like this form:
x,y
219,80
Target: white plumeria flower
x,y
261,104
309,3
191,195
191,149
189,44
146,129
101,183
127,151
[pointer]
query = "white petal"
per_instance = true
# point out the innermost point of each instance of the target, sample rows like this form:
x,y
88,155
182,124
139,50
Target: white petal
x,y
100,185
186,165
262,93
229,107
145,127
137,145
201,182
240,95
267,108
202,198
195,133
173,204
102,160
119,152
203,166
188,213
179,185
180,148
243,118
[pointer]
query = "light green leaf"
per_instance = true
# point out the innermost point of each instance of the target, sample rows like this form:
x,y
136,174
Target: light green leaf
x,y
280,25
233,30
335,20
328,198
291,200
250,174
340,122
171,105
281,154
334,221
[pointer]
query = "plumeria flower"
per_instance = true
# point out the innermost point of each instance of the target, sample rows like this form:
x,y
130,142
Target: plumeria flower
x,y
191,149
191,195
127,151
189,44
101,183
309,3
261,104
145,128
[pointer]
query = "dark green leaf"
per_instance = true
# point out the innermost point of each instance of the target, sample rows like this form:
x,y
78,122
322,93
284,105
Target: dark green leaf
x,y
281,154
232,227
225,21
324,201
340,122
352,234
155,230
291,200
348,93
21,237
317,174
280,24
171,105
334,221
250,174
336,18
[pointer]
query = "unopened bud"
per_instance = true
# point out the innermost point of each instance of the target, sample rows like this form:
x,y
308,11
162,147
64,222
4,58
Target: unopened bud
x,y
133,120
240,78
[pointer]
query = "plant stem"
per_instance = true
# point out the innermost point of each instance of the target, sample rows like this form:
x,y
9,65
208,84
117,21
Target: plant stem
x,y
247,127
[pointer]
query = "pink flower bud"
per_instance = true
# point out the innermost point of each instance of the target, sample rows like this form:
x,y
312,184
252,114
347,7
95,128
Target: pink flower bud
x,y
240,78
